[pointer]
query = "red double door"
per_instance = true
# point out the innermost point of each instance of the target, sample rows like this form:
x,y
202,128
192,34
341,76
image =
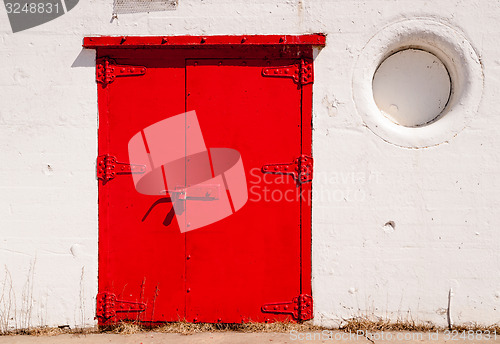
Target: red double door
x,y
253,265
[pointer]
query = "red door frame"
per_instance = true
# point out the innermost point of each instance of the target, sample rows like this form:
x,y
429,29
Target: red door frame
x,y
303,43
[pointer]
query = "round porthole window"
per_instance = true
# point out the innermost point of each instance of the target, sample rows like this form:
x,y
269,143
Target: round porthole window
x,y
417,83
411,87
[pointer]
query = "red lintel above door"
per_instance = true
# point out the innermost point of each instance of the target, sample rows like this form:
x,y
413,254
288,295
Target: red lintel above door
x,y
169,41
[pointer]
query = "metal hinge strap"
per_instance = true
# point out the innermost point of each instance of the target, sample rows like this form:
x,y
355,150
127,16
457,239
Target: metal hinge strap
x,y
301,169
108,168
107,70
108,306
300,308
301,72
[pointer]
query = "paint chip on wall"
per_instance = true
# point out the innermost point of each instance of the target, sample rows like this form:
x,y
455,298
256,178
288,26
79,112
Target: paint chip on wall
x,y
136,6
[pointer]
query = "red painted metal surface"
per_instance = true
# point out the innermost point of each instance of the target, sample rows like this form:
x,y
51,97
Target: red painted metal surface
x,y
225,271
306,192
108,306
108,168
252,257
107,70
301,169
140,259
300,308
301,72
180,41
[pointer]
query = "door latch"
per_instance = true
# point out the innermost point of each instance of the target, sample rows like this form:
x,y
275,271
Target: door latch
x,y
200,192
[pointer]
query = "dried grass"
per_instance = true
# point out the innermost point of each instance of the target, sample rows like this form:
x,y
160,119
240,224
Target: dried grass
x,y
127,328
472,326
361,323
51,331
374,324
186,328
47,331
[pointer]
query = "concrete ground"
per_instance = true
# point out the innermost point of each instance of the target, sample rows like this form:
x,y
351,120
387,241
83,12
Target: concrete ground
x,y
257,338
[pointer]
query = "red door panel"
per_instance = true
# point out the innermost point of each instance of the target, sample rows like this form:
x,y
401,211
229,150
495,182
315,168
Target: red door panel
x,y
156,268
139,260
252,257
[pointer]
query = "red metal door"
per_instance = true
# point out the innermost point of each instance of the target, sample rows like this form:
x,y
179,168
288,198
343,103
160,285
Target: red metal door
x,y
253,265
139,261
252,257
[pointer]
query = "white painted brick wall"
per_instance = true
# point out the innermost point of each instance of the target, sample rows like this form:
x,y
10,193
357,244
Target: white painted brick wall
x,y
443,200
